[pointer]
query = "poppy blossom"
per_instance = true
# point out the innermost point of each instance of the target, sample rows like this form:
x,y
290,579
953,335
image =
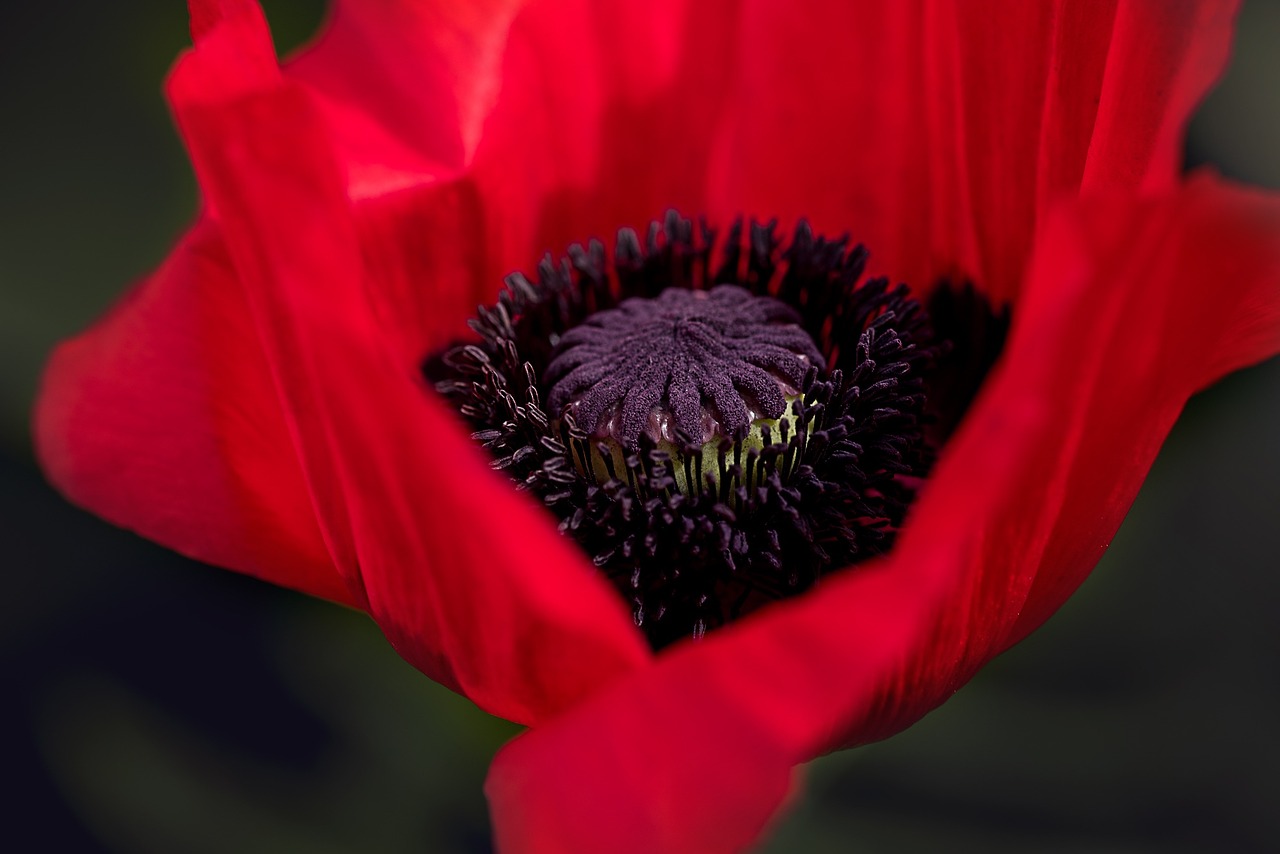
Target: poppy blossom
x,y
258,401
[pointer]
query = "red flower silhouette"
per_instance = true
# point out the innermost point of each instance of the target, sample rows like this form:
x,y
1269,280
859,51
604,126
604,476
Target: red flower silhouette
x,y
256,402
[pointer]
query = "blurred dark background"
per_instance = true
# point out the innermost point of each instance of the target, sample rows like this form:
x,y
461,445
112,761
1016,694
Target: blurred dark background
x,y
157,705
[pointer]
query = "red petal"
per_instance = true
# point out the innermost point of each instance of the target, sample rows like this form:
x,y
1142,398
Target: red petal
x,y
594,116
939,136
404,89
469,580
1131,307
908,124
606,119
411,83
1208,273
161,418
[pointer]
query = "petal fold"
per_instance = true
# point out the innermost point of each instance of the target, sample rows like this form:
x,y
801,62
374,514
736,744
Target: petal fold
x,y
469,580
550,122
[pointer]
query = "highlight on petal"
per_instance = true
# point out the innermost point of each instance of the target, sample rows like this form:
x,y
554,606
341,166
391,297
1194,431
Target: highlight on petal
x,y
425,74
943,135
545,122
468,579
1130,307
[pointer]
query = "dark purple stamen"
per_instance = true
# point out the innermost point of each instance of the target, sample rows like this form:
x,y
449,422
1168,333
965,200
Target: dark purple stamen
x,y
696,533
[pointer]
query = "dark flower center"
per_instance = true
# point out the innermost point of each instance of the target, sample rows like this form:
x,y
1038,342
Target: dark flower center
x,y
720,428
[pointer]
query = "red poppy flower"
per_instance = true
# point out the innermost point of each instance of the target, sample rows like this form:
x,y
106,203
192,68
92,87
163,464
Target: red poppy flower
x,y
257,402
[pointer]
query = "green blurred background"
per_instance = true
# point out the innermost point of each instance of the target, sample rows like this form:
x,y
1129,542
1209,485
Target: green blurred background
x,y
157,705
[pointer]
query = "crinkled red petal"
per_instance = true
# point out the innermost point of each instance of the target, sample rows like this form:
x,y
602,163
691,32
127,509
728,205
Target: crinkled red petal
x,y
939,133
1131,306
534,125
935,135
